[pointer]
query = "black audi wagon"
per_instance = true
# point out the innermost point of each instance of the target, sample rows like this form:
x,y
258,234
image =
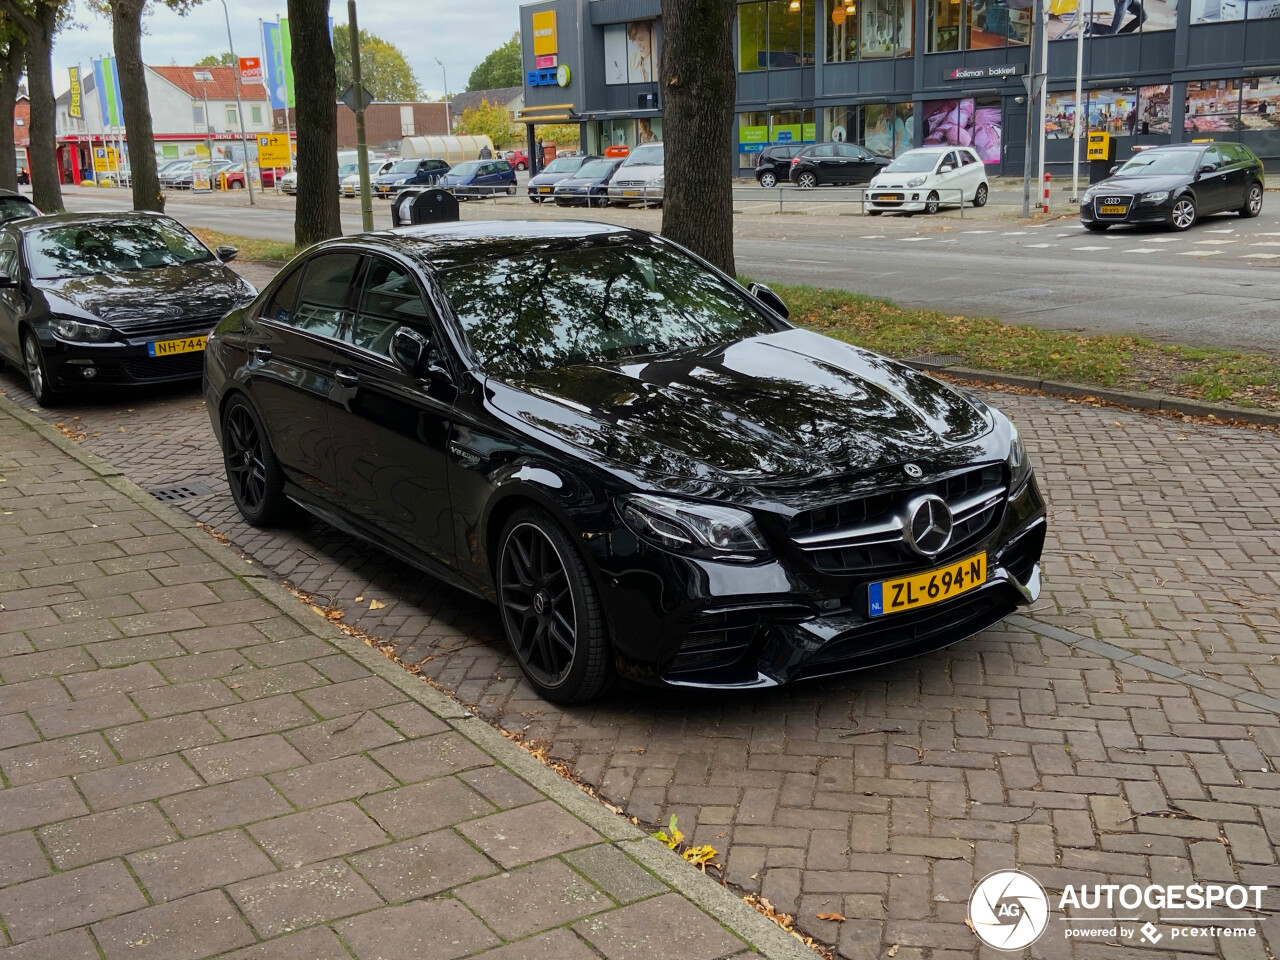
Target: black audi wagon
x,y
644,464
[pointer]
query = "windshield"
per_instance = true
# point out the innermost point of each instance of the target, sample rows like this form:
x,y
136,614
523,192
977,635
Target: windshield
x,y
649,153
1156,162
110,246
563,165
348,168
375,166
404,166
465,169
596,169
913,162
595,304
15,208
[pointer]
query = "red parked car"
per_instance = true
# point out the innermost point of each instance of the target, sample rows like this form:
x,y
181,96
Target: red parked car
x,y
235,177
518,159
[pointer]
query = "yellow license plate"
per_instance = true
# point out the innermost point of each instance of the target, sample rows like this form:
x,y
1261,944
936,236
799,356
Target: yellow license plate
x,y
544,189
884,196
165,348
631,193
1113,209
922,589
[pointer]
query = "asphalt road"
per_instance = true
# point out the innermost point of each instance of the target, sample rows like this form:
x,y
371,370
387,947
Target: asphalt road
x,y
1216,285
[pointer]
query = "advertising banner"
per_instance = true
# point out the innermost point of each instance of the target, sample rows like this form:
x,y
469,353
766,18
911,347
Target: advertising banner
x,y
272,43
75,110
250,70
631,52
544,33
104,75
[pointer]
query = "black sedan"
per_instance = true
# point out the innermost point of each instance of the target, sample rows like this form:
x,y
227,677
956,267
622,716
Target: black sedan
x,y
109,299
835,163
589,185
542,185
1177,185
651,472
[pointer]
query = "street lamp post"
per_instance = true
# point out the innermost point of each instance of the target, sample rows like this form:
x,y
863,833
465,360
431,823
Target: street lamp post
x,y
448,119
235,76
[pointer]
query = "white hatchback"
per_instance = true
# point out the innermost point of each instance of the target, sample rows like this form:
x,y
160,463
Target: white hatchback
x,y
927,179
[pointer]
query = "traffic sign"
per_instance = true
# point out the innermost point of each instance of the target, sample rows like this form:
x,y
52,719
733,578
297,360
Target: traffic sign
x,y
273,150
348,97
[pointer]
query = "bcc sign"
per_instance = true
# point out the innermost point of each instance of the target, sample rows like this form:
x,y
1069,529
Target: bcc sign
x,y
273,150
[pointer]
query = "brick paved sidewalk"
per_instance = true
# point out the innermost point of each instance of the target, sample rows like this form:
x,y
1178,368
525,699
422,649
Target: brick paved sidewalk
x,y
191,765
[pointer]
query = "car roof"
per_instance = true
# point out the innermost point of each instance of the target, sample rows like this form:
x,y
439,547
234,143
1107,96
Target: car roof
x,y
1178,146
58,219
936,148
15,193
445,245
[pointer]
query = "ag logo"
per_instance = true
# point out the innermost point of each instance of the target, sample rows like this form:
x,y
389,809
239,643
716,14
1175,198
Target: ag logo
x,y
1008,910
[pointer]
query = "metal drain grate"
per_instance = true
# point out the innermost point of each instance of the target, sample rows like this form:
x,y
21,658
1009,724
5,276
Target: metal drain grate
x,y
185,491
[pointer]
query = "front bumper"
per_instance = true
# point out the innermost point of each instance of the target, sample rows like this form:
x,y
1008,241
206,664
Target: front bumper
x,y
78,366
1135,212
897,199
686,623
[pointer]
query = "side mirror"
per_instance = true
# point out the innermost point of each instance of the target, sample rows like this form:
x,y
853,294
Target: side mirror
x,y
946,168
6,280
227,254
769,299
409,349
1114,168
1207,168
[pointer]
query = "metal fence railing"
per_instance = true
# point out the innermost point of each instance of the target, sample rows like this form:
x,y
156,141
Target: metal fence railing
x,y
949,198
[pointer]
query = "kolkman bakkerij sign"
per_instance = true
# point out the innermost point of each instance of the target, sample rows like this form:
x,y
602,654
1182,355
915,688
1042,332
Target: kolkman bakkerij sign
x,y
982,73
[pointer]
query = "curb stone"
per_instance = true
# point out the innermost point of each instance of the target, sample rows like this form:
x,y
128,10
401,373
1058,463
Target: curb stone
x,y
722,905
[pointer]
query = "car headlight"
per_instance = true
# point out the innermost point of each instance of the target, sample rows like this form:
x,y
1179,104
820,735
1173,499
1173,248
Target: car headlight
x,y
707,530
402,180
81,331
1159,196
657,181
917,181
1018,461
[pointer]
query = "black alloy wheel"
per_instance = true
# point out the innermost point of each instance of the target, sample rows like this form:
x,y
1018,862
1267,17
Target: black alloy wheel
x,y
550,610
37,372
931,204
253,472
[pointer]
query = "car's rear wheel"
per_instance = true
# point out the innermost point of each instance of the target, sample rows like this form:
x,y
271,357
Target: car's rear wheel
x,y
1252,202
521,166
931,204
551,612
807,181
768,180
1096,227
253,472
872,213
980,196
236,185
1183,215
37,372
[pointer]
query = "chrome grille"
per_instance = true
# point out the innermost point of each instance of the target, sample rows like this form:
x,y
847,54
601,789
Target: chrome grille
x,y
148,329
628,183
1112,200
865,535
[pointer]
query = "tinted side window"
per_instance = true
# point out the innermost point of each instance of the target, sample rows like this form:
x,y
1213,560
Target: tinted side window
x,y
9,255
1231,152
825,150
322,298
1211,158
280,306
390,300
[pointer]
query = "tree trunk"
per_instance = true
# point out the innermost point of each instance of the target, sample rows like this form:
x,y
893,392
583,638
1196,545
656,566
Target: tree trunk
x,y
46,188
316,93
11,66
126,34
697,94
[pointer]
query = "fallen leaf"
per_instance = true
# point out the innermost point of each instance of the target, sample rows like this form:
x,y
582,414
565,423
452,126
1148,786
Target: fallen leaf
x,y
359,599
837,917
892,951
376,605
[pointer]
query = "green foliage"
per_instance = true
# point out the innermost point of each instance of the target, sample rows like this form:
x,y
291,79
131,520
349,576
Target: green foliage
x,y
501,68
488,119
564,135
224,59
383,69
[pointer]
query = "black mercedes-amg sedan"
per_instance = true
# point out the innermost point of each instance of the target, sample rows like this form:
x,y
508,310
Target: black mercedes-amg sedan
x,y
105,300
644,464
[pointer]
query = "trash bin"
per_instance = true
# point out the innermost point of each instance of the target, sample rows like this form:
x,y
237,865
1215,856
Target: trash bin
x,y
431,205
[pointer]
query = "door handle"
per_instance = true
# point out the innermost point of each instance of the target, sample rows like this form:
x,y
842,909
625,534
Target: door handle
x,y
345,377
262,353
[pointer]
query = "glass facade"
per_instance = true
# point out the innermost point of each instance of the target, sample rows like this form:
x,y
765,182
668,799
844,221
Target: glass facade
x,y
759,129
602,134
883,128
868,29
1108,17
1232,106
1120,111
976,25
775,35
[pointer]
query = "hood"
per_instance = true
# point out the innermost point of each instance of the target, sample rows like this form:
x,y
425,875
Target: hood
x,y
548,179
575,182
196,290
1127,185
783,407
639,171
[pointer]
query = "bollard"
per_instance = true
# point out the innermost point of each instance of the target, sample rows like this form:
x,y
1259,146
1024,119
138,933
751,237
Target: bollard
x,y
1046,193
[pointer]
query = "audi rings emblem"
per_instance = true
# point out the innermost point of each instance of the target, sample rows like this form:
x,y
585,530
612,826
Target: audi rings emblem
x,y
912,471
1113,200
928,525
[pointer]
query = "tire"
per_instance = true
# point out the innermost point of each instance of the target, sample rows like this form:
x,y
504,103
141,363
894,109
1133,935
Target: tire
x,y
253,472
511,190
236,185
980,195
37,373
1252,202
1183,215
521,166
873,213
807,180
768,180
1094,227
550,610
931,204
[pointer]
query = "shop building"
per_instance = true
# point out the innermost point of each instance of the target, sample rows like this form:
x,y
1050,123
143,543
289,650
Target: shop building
x,y
894,74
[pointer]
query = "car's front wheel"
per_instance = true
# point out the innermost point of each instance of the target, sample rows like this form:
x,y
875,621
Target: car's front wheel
x,y
37,372
1252,202
980,196
768,180
807,181
931,204
1183,215
551,612
253,472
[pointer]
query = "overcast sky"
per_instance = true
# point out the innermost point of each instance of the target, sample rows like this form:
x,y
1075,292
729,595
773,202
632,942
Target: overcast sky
x,y
460,34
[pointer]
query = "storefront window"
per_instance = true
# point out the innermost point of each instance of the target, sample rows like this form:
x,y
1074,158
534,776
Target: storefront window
x,y
631,52
883,128
1107,17
1260,106
1213,106
976,24
760,129
966,123
1215,11
625,133
886,28
1121,111
945,17
753,45
842,30
775,35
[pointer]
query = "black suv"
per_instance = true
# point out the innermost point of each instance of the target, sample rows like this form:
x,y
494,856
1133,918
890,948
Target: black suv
x,y
773,164
1177,184
821,163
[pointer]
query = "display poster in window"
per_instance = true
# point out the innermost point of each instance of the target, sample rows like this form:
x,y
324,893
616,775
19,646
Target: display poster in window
x,y
965,123
631,52
1111,17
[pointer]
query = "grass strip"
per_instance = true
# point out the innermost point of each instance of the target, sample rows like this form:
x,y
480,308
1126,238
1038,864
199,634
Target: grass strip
x,y
251,248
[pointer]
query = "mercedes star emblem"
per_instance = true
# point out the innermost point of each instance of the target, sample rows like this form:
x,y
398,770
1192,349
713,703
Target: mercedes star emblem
x,y
914,472
928,525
